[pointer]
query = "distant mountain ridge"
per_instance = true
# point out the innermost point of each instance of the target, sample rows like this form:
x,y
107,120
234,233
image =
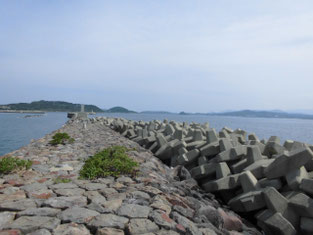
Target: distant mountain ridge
x,y
50,106
61,106
264,114
156,112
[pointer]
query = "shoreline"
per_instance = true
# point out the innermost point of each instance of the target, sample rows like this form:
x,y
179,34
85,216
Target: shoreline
x,y
157,201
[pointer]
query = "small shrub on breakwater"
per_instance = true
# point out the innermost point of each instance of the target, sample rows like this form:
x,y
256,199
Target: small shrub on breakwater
x,y
9,164
112,161
61,138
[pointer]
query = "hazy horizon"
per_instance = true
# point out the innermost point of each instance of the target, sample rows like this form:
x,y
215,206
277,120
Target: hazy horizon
x,y
192,56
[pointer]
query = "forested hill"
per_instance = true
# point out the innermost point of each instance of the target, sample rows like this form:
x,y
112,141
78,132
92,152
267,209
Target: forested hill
x,y
53,106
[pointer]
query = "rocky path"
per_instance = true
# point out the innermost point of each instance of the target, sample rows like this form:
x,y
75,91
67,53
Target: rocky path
x,y
158,200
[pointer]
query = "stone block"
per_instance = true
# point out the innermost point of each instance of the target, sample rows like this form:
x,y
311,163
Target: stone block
x,y
248,182
169,129
223,134
182,150
247,202
205,125
274,139
257,168
144,133
295,177
194,144
188,157
197,135
151,138
179,134
141,226
275,183
276,202
6,218
134,211
306,225
285,163
253,154
153,148
211,136
165,152
202,160
131,133
309,165
301,204
29,224
225,144
152,126
273,148
227,129
259,144
222,170
237,138
234,153
108,220
239,166
77,215
253,136
307,186
226,183
297,145
174,161
275,224
177,144
288,144
161,139
203,171
188,139
210,149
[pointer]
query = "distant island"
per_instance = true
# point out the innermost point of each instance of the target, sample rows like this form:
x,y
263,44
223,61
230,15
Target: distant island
x,y
49,106
263,114
118,109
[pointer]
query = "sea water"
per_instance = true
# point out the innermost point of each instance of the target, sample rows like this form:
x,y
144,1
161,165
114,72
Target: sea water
x,y
17,131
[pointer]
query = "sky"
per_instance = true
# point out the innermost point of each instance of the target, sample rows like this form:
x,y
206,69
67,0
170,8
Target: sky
x,y
169,55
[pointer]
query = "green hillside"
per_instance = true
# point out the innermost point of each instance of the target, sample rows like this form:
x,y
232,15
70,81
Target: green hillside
x,y
52,106
118,109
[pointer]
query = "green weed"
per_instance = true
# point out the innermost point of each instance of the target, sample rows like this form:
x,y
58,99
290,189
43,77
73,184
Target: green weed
x,y
61,138
60,180
9,164
112,161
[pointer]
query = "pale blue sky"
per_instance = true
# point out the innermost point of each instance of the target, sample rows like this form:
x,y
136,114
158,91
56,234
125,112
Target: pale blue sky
x,y
196,56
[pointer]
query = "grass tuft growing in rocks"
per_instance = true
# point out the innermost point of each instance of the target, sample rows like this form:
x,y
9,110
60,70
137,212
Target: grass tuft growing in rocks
x,y
61,138
112,161
9,164
60,180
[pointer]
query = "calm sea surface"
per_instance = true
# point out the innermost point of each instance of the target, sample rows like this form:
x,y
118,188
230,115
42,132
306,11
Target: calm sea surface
x,y
17,131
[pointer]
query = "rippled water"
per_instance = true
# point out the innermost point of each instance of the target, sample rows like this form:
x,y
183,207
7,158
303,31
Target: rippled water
x,y
17,131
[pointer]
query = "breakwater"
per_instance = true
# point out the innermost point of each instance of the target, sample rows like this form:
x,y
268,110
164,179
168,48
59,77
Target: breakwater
x,y
259,178
158,200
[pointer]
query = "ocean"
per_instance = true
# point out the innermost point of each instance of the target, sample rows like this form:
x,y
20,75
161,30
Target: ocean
x,y
17,131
